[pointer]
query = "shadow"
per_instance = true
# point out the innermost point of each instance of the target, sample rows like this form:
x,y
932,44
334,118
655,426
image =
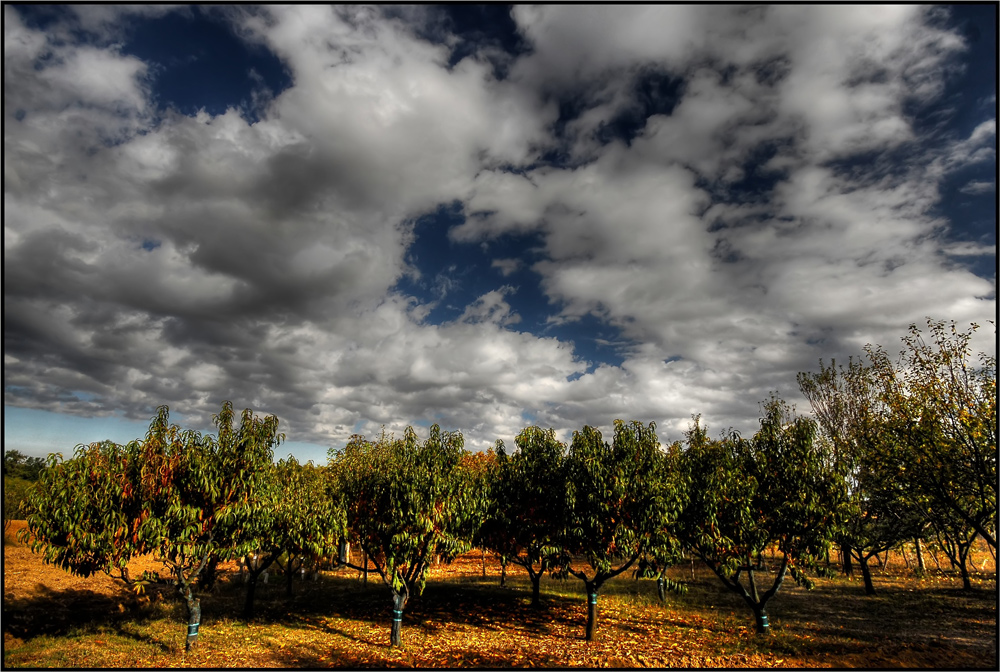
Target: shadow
x,y
909,625
125,631
51,612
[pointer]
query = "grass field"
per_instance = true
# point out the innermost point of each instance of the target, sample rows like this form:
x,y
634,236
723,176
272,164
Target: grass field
x,y
51,619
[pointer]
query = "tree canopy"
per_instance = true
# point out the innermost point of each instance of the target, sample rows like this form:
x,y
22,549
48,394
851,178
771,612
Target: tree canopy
x,y
619,505
776,490
407,501
173,494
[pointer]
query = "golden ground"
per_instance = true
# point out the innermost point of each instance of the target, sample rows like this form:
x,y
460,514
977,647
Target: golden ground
x,y
53,619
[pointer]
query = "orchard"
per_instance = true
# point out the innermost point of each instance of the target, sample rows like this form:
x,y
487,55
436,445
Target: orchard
x,y
896,456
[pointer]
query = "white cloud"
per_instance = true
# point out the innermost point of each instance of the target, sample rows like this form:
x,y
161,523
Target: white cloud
x,y
185,260
977,187
507,266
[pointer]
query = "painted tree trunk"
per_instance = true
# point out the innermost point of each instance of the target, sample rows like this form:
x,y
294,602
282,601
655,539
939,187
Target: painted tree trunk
x,y
194,620
920,555
760,617
591,613
661,589
396,633
866,574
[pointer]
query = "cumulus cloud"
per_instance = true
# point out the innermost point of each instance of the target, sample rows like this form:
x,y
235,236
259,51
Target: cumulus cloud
x,y
780,211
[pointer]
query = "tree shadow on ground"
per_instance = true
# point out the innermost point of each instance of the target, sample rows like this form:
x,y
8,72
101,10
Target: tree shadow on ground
x,y
443,608
57,612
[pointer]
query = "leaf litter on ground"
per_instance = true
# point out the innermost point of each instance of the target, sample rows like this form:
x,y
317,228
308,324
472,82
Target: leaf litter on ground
x,y
465,620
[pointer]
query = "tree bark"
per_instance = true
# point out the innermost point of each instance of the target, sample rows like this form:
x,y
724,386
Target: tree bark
x,y
845,555
591,612
920,555
396,633
503,573
760,618
661,589
210,575
966,581
963,563
248,603
536,581
194,620
867,575
289,572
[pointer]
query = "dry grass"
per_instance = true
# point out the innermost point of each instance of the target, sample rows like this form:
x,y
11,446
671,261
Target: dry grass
x,y
51,619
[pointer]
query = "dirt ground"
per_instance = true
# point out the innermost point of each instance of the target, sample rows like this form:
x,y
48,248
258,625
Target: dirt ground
x,y
834,625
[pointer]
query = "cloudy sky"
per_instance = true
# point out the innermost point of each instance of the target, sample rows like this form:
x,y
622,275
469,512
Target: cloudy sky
x,y
479,216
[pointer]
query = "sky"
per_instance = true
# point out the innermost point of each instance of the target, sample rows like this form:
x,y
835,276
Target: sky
x,y
485,217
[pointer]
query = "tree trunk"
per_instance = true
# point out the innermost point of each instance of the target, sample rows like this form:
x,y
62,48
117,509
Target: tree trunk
x,y
760,618
396,634
289,573
934,557
952,553
484,562
248,603
845,555
963,563
210,574
867,575
503,572
591,612
661,589
536,581
194,620
920,555
966,581
364,553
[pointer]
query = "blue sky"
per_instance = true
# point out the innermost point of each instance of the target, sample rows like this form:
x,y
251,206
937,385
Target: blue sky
x,y
481,216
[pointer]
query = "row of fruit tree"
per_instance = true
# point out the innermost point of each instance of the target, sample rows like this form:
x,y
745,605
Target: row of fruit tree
x,y
896,450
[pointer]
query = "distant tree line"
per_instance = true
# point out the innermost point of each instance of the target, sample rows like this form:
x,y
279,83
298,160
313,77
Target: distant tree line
x,y
19,474
899,451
